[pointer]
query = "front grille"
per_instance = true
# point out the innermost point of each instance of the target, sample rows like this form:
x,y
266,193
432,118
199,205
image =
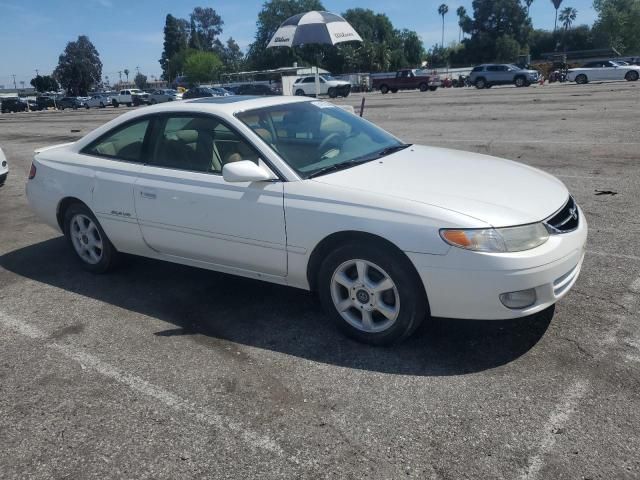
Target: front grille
x,y
565,220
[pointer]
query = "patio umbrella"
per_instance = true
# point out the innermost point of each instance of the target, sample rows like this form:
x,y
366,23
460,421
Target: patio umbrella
x,y
324,28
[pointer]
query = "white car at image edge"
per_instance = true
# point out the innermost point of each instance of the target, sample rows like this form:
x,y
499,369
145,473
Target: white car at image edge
x,y
603,70
301,193
4,168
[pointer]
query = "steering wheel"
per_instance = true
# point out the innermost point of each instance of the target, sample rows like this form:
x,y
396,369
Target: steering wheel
x,y
329,138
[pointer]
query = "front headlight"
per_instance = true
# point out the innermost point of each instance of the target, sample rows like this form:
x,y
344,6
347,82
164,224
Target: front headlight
x,y
508,239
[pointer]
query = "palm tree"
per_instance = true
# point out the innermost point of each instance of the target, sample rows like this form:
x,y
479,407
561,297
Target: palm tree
x,y
442,10
461,12
567,16
126,72
556,5
528,4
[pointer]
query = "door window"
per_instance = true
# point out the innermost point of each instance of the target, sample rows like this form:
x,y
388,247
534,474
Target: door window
x,y
199,144
124,144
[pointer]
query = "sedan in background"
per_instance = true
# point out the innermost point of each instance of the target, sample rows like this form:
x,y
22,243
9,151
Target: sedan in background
x,y
164,95
200,92
4,168
69,102
302,193
13,104
603,70
98,100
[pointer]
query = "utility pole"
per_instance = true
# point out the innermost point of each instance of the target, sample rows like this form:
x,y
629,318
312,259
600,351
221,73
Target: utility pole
x,y
120,75
14,81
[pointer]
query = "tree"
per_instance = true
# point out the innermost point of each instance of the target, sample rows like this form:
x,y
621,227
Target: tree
x,y
231,55
556,5
617,24
79,67
44,83
207,25
462,15
443,10
175,40
528,3
126,72
412,48
200,67
507,49
140,80
567,17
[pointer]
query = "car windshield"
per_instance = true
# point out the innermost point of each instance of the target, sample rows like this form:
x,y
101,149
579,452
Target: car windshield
x,y
318,137
617,63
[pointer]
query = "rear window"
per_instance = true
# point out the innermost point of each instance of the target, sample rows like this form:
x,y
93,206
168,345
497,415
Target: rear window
x,y
125,143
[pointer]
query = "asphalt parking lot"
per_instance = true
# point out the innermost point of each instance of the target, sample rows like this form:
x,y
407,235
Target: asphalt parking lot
x,y
164,371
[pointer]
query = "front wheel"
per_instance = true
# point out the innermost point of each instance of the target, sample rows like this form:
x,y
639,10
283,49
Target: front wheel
x,y
373,296
433,88
520,82
480,83
300,92
424,87
384,89
333,93
631,76
115,104
88,240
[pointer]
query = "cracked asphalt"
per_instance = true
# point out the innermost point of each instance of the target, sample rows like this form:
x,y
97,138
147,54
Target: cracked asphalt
x,y
167,372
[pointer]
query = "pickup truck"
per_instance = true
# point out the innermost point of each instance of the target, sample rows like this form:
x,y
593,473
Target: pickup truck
x,y
407,79
130,96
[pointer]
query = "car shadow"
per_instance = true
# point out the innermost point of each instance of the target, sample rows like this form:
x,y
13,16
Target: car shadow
x,y
209,307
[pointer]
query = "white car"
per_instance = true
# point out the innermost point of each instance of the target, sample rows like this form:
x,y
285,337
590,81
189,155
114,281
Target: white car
x,y
129,97
328,86
4,168
302,193
98,100
603,70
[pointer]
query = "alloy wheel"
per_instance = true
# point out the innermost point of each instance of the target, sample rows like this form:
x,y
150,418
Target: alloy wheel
x,y
365,296
86,238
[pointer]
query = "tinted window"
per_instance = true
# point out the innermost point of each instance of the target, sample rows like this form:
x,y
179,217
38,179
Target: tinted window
x,y
309,80
124,144
199,144
477,69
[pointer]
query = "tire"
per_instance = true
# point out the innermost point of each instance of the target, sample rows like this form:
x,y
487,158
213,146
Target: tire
x,y
520,82
394,90
404,302
115,104
91,245
87,107
300,92
384,89
631,76
129,104
433,88
582,79
333,93
102,105
481,83
423,87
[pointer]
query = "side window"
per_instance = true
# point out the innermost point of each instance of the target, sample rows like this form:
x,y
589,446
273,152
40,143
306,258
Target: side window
x,y
124,144
477,69
492,68
199,144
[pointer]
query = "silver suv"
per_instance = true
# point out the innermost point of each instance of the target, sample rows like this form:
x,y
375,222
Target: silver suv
x,y
488,75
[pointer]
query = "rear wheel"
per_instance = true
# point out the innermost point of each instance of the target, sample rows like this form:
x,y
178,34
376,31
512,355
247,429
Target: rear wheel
x,y
384,89
115,104
631,76
88,240
374,296
581,79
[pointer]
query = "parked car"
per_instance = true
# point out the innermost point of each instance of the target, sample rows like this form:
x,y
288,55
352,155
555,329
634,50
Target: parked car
x,y
201,92
44,102
13,104
407,79
488,75
129,97
259,89
98,100
4,168
603,70
328,86
164,95
222,91
300,192
69,102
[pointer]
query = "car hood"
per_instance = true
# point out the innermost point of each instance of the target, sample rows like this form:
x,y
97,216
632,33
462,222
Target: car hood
x,y
496,191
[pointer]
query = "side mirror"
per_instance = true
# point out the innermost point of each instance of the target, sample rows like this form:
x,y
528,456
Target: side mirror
x,y
245,171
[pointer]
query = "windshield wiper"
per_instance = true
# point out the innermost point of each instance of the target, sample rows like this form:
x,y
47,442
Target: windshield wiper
x,y
337,167
389,150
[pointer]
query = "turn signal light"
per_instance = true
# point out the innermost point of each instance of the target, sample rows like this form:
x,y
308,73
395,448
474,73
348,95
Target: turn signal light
x,y
32,172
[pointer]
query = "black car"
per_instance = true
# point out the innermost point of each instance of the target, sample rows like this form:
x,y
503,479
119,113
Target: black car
x,y
69,102
199,92
254,89
14,104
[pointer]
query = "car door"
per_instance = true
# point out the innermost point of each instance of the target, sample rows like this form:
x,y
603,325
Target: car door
x,y
187,210
613,71
116,158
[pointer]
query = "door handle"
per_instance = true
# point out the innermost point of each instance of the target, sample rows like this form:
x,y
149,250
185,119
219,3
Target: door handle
x,y
151,195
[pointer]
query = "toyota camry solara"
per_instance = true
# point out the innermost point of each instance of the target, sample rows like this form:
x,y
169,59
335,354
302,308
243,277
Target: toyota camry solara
x,y
302,193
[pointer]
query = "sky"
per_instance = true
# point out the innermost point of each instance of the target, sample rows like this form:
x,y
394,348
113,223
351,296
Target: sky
x,y
129,33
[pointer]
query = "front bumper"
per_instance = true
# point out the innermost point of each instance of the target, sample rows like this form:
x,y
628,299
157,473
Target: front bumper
x,y
468,285
3,178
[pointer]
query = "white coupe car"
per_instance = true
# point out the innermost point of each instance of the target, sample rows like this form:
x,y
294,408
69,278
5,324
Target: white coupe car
x,y
4,168
603,70
299,192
